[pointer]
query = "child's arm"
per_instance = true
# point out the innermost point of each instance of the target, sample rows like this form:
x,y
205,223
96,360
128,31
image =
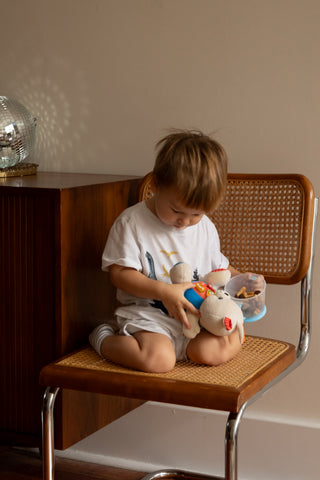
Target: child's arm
x,y
171,295
233,271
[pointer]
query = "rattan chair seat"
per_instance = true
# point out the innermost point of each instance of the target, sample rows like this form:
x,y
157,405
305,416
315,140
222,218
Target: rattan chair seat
x,y
221,388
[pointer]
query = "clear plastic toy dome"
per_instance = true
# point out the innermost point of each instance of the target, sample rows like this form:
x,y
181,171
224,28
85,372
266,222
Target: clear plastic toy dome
x,y
17,132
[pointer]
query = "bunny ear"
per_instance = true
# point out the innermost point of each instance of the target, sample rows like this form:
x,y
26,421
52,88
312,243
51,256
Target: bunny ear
x,y
228,323
241,332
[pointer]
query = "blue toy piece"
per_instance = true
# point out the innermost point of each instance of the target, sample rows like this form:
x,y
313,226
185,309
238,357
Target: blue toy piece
x,y
198,293
255,318
193,297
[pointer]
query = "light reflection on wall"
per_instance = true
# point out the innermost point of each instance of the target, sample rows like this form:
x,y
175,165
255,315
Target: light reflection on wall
x,y
61,105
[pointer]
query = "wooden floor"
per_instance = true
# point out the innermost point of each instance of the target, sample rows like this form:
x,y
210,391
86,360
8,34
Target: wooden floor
x,y
21,464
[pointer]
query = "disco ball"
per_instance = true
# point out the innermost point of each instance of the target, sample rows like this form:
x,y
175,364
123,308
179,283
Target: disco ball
x,y
17,132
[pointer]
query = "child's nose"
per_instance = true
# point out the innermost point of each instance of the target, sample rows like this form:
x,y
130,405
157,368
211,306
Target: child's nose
x,y
183,221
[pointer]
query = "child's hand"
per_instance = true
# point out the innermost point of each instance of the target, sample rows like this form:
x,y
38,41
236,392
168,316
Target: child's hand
x,y
175,302
171,295
256,279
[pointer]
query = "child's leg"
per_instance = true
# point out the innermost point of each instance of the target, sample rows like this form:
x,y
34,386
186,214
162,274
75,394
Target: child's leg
x,y
146,351
209,349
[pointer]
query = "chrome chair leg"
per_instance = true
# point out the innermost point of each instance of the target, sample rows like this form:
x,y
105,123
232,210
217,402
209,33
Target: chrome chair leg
x,y
231,455
231,444
48,432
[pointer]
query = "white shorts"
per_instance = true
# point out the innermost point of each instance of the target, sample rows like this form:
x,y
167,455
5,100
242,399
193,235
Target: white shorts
x,y
137,319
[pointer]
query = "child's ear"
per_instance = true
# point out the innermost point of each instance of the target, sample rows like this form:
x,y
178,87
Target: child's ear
x,y
154,183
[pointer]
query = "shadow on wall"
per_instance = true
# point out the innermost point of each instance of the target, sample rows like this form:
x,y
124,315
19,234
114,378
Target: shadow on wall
x,y
61,104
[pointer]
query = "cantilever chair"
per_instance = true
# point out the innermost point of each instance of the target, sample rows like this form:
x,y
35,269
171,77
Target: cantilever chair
x,y
266,224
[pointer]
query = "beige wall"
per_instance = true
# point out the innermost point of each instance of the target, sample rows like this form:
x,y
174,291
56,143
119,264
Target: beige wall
x,y
105,78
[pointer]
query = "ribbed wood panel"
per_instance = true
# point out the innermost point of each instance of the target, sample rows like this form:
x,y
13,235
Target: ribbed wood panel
x,y
16,306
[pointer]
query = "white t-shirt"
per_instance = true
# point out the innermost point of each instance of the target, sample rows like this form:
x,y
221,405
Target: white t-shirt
x,y
139,240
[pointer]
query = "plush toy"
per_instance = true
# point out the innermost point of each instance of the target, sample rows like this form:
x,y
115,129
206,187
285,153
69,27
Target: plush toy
x,y
219,314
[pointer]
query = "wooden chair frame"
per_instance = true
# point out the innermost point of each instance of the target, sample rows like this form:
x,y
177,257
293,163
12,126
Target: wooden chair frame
x,y
281,211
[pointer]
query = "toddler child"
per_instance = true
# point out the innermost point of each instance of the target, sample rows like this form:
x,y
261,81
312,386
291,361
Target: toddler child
x,y
146,240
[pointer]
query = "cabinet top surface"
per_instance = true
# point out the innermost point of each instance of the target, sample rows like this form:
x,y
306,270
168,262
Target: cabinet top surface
x,y
59,180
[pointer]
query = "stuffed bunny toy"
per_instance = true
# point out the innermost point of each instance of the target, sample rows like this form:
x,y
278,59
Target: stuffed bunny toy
x,y
219,314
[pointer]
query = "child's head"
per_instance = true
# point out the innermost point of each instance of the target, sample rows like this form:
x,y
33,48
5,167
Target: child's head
x,y
195,165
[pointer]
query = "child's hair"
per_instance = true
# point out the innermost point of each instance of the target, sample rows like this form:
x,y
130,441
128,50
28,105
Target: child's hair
x,y
195,164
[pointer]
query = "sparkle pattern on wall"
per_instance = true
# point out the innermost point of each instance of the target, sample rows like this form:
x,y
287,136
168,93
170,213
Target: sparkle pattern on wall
x,y
63,126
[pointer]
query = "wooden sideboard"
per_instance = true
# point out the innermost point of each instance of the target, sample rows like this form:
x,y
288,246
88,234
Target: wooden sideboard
x,y
53,227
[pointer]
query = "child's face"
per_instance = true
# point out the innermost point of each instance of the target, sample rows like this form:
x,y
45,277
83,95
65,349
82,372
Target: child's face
x,y
169,209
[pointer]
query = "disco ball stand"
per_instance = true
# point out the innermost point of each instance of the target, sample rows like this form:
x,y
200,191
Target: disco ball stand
x,y
17,138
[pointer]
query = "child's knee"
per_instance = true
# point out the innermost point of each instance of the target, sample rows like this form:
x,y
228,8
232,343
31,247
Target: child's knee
x,y
159,362
214,351
157,354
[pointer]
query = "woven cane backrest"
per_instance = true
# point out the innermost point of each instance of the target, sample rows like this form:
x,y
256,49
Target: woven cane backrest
x,y
264,224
